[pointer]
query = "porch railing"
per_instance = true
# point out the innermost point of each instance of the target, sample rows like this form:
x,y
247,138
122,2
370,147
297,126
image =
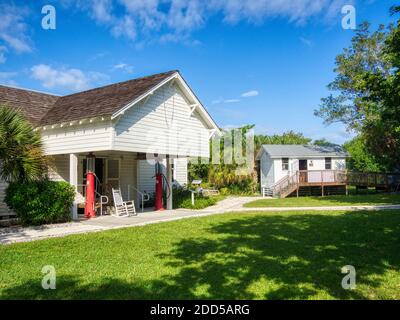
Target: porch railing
x,y
144,196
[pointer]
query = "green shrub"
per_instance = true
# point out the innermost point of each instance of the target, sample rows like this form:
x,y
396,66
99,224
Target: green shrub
x,y
182,198
40,202
247,187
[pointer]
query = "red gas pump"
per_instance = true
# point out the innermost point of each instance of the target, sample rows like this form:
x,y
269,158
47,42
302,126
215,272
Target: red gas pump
x,y
159,188
90,186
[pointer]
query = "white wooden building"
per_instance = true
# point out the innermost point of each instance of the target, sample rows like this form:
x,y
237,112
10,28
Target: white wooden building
x,y
309,164
123,125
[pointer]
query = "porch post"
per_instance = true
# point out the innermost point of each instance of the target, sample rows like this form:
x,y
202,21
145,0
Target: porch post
x,y
73,180
169,180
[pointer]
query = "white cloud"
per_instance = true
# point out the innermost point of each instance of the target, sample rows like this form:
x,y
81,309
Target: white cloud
x,y
123,67
13,29
71,79
101,10
217,101
3,49
175,20
125,27
6,78
306,41
220,100
231,100
99,55
251,93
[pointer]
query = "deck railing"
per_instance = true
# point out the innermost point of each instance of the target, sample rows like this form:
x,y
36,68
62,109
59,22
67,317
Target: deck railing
x,y
292,182
309,177
373,179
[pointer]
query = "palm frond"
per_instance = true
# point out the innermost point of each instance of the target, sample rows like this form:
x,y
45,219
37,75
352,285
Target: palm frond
x,y
21,153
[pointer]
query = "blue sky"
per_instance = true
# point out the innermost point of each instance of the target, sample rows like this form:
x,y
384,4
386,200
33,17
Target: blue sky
x,y
262,62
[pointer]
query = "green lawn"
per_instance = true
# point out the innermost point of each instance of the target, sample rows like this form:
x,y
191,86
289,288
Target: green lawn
x,y
295,255
350,200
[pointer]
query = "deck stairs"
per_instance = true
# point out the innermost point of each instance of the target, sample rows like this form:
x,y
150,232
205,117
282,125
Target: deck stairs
x,y
283,188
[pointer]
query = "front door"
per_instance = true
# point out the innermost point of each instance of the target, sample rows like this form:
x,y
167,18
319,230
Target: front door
x,y
99,172
303,168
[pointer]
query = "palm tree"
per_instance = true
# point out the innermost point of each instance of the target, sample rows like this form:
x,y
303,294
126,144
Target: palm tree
x,y
21,154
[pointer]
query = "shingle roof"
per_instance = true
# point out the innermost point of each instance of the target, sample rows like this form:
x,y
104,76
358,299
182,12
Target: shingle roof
x,y
33,105
101,101
294,150
45,109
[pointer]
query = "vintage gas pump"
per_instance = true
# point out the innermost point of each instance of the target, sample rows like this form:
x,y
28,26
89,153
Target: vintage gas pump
x,y
159,188
90,186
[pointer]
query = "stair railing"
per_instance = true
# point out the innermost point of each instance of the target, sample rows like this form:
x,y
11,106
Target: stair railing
x,y
143,195
285,183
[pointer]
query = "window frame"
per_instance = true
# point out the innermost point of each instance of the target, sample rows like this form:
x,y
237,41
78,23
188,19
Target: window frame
x,y
328,163
285,164
108,180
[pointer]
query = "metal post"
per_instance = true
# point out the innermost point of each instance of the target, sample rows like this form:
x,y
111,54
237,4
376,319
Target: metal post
x,y
169,180
322,183
73,180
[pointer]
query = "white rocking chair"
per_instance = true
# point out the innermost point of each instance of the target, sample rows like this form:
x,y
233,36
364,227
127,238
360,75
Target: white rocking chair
x,y
123,208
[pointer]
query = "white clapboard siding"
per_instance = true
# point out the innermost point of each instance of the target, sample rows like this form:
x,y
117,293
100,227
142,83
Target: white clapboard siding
x,y
163,124
4,210
59,171
145,176
128,177
86,137
59,168
181,171
146,171
267,173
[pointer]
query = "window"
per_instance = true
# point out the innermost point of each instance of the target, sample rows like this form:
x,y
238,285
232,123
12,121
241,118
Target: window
x,y
328,163
113,172
285,164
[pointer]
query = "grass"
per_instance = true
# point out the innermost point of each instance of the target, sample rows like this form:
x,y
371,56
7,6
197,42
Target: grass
x,y
350,200
295,255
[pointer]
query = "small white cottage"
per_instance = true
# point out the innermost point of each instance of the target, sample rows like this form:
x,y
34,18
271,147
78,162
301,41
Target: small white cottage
x,y
306,165
122,125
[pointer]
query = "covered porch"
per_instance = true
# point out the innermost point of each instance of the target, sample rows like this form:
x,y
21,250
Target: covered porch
x,y
131,172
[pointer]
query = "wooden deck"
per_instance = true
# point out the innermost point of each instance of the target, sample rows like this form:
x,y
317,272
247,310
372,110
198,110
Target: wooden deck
x,y
325,179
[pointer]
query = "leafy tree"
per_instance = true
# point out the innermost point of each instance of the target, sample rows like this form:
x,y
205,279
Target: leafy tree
x,y
226,175
368,93
324,143
288,137
349,106
21,154
361,159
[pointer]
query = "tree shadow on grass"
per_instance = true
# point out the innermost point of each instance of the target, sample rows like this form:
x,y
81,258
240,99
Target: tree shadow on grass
x,y
257,256
295,256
